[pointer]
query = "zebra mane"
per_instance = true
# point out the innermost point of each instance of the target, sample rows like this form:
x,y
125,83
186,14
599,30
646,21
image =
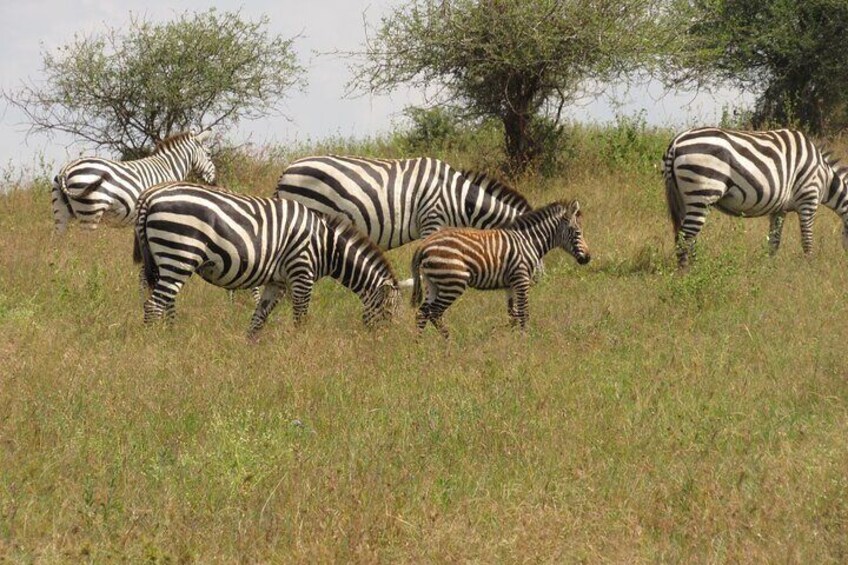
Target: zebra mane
x,y
531,218
347,230
170,141
496,187
838,167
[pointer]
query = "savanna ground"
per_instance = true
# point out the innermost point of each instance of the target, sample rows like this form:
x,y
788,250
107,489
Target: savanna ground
x,y
646,416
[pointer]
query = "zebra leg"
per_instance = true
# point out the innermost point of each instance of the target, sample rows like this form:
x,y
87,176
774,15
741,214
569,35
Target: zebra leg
x,y
431,312
806,215
161,302
775,231
61,210
143,289
301,294
268,299
441,303
694,217
520,311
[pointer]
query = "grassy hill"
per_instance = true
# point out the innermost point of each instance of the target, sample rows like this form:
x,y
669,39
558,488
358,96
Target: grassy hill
x,y
645,416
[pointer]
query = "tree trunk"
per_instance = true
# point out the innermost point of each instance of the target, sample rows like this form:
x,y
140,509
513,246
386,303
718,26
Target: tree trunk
x,y
520,145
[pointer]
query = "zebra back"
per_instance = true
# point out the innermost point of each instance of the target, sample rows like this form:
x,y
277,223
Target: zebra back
x,y
395,201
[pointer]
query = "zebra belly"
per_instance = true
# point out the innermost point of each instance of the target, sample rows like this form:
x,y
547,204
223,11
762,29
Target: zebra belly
x,y
212,271
481,281
738,203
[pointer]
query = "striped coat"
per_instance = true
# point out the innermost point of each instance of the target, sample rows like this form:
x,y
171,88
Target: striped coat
x,y
395,201
453,259
235,241
756,173
91,188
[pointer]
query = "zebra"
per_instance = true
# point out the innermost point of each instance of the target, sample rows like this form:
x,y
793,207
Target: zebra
x,y
235,241
453,259
395,201
89,188
754,173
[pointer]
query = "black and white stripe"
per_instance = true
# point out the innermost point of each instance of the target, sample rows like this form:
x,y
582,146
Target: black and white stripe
x,y
758,173
235,242
90,188
453,259
395,201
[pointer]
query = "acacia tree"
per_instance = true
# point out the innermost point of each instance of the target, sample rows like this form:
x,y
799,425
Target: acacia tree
x,y
510,59
790,54
126,90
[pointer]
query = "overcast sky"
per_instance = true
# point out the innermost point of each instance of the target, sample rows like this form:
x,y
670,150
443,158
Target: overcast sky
x,y
320,111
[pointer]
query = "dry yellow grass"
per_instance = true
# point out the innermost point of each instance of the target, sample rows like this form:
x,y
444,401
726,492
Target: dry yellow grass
x,y
645,417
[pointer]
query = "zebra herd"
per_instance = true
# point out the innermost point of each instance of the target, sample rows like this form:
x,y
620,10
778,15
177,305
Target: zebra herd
x,y
334,215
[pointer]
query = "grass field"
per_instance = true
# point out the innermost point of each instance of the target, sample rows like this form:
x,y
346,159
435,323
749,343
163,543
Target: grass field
x,y
646,416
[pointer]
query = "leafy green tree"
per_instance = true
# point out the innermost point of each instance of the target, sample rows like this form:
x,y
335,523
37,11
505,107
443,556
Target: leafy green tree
x,y
514,60
791,54
126,90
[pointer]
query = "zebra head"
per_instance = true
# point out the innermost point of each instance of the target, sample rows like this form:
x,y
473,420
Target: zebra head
x,y
380,303
569,233
201,161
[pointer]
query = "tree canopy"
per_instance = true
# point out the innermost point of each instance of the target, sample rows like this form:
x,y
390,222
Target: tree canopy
x,y
510,59
790,53
127,89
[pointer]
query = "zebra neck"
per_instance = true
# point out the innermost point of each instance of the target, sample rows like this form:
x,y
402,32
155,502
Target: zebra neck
x,y
350,262
539,236
481,208
838,195
169,163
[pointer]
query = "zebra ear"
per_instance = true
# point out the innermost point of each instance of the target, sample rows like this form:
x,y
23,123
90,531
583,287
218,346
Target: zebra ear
x,y
573,208
203,135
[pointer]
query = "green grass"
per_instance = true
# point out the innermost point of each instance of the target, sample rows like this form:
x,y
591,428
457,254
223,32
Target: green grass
x,y
646,416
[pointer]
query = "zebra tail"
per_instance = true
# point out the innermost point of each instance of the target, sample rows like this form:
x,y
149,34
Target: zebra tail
x,y
141,253
60,194
416,278
672,193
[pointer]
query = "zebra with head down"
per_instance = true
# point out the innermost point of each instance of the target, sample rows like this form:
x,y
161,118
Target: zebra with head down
x,y
236,241
750,173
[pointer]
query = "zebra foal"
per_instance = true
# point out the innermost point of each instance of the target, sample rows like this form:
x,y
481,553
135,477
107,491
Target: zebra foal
x,y
453,259
90,188
236,241
754,173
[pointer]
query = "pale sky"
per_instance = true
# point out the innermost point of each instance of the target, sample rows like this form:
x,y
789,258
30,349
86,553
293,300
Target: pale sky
x,y
320,111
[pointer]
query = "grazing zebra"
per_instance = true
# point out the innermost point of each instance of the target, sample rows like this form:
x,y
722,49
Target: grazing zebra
x,y
88,188
750,174
236,241
453,259
395,201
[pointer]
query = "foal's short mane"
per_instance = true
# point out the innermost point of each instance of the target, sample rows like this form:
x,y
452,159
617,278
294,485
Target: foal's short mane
x,y
346,230
531,218
170,141
497,186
